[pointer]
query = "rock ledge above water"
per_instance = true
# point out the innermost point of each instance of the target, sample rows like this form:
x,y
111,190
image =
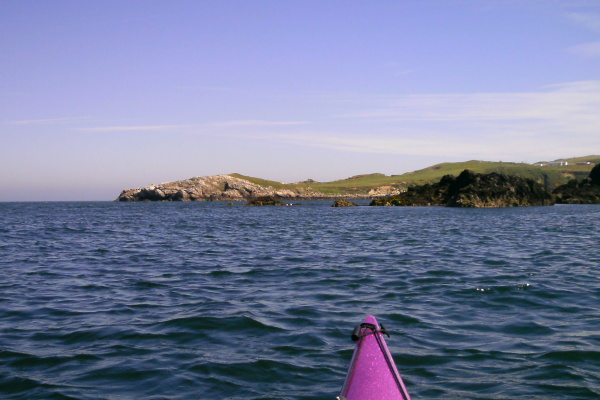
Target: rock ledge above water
x,y
473,190
344,203
586,191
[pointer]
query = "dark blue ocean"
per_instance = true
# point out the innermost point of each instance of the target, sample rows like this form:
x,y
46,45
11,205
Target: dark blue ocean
x,y
208,301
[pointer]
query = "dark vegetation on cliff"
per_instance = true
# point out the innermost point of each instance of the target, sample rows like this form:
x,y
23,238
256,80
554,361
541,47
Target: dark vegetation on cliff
x,y
475,190
586,191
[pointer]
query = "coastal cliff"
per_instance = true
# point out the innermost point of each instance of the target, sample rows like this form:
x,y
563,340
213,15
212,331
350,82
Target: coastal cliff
x,y
211,188
473,190
586,191
428,186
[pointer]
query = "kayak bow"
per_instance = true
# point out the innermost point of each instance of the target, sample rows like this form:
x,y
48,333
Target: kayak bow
x,y
372,374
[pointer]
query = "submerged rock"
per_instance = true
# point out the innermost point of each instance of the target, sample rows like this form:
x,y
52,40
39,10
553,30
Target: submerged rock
x,y
585,192
475,190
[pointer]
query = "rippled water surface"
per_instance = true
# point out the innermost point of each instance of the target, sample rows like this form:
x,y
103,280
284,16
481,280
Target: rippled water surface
x,y
205,300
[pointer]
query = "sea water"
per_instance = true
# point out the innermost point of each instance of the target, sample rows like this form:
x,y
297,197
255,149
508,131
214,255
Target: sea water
x,y
209,301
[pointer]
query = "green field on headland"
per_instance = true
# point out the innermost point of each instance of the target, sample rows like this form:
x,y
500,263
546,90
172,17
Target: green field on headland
x,y
550,176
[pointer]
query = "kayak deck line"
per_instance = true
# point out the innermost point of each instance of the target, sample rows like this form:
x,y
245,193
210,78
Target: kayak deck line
x,y
372,374
370,329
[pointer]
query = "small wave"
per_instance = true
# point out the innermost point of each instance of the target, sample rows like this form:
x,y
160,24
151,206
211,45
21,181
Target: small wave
x,y
149,285
568,390
549,372
29,361
57,312
422,360
495,262
79,336
572,356
297,259
220,273
404,319
240,271
44,273
444,272
93,287
526,328
262,369
226,324
305,312
29,388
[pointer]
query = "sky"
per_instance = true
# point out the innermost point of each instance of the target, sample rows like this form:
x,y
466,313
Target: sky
x,y
99,96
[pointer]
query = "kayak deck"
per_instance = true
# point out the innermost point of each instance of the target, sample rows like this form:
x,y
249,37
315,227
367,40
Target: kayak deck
x,y
372,374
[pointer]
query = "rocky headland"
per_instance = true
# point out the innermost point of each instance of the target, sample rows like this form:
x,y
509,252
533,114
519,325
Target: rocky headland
x,y
480,184
473,190
586,191
212,188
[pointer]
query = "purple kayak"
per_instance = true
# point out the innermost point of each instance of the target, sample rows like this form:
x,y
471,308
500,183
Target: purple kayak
x,y
372,374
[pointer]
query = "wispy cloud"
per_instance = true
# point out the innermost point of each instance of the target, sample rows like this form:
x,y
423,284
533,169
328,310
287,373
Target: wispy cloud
x,y
199,127
588,20
47,121
553,121
560,119
254,123
138,128
554,103
591,49
428,145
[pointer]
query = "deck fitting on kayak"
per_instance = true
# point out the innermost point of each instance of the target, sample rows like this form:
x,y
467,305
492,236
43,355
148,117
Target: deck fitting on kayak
x,y
372,374
356,333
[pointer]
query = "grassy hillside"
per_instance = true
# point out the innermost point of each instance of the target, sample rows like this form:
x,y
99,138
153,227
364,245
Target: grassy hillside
x,y
575,160
263,182
551,176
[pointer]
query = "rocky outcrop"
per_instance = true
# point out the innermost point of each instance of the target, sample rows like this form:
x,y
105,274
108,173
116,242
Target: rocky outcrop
x,y
585,192
216,187
595,175
386,190
495,190
475,190
266,201
420,195
343,203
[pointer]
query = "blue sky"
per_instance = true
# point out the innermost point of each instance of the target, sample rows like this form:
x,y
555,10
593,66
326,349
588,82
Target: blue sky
x,y
98,96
